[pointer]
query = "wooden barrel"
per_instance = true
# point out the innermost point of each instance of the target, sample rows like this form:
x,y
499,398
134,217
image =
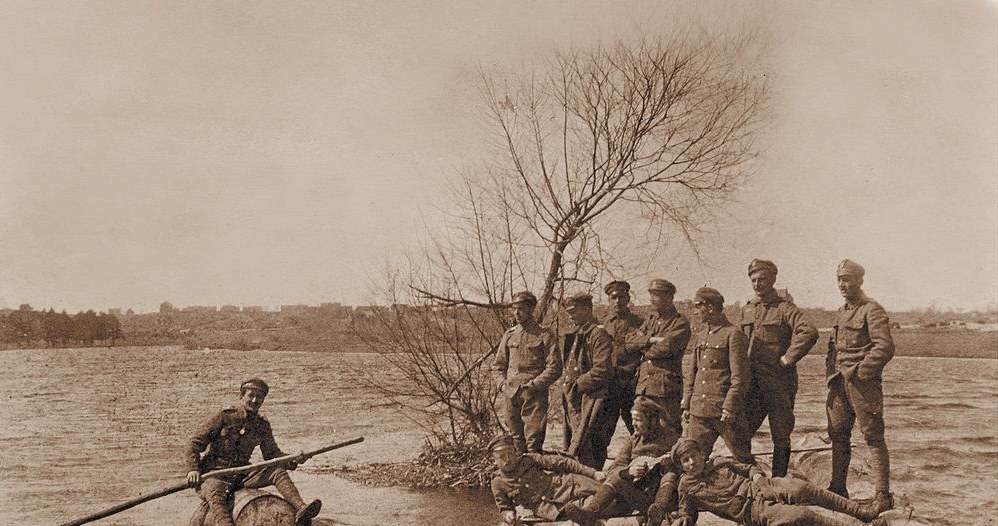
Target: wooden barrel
x,y
254,507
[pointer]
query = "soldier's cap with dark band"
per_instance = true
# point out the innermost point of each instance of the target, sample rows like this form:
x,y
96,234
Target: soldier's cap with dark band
x,y
762,265
683,447
255,383
646,407
582,299
710,296
524,297
500,442
617,286
850,268
661,285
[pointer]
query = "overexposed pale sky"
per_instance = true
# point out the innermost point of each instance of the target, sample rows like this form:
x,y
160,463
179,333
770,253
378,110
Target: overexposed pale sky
x,y
264,153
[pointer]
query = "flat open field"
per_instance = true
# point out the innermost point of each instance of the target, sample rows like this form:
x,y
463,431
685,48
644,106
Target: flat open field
x,y
88,428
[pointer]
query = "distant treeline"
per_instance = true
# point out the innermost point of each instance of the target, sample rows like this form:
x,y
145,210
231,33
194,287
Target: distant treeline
x,y
330,330
26,327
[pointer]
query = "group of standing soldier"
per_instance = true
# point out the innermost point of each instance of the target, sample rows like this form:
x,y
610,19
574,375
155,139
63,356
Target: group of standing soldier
x,y
741,373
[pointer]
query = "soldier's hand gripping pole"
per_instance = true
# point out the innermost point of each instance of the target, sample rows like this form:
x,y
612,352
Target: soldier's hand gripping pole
x,y
296,458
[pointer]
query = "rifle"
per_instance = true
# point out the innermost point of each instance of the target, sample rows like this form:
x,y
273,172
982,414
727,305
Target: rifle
x,y
297,458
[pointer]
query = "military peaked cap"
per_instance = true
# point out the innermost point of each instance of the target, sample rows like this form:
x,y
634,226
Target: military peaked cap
x,y
255,383
524,297
661,285
619,286
500,442
709,295
850,268
646,407
758,265
684,446
582,299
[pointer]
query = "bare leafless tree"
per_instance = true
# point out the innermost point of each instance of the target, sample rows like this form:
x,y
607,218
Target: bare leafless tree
x,y
657,129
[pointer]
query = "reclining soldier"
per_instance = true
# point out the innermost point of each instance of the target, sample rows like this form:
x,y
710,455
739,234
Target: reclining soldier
x,y
741,493
642,478
541,483
228,440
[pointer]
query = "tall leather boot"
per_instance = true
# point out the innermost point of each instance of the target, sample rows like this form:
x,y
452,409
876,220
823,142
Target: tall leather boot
x,y
665,501
841,455
781,460
588,515
832,501
303,512
881,464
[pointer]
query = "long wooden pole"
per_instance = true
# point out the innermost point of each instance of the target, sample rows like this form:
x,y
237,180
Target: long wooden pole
x,y
299,457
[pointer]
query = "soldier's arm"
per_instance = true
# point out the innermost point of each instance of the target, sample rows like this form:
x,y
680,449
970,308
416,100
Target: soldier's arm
x,y
803,334
560,464
602,354
637,340
743,470
674,340
268,446
623,458
687,510
552,365
502,498
740,371
500,362
882,349
205,435
690,378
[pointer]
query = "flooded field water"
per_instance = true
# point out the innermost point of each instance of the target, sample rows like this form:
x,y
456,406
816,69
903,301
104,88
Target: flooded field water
x,y
85,429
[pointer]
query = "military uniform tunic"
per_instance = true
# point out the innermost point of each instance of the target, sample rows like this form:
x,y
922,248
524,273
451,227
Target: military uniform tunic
x,y
727,490
859,349
625,364
543,483
526,364
228,440
776,329
657,486
586,382
660,375
717,380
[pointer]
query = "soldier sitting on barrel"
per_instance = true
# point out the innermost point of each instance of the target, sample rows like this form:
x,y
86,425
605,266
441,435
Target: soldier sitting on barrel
x,y
227,440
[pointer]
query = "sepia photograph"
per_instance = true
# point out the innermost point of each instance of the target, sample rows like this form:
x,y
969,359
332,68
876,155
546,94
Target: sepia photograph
x,y
499,263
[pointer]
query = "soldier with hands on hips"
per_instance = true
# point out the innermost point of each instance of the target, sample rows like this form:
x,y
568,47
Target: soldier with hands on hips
x,y
779,336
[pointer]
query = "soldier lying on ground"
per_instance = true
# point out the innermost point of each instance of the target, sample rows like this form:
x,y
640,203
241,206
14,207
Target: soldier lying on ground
x,y
741,493
228,440
541,483
643,476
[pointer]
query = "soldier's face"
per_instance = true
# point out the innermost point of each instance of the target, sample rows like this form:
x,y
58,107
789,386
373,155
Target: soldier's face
x,y
701,311
523,312
619,300
693,462
505,458
580,315
762,283
660,300
252,399
640,424
849,286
